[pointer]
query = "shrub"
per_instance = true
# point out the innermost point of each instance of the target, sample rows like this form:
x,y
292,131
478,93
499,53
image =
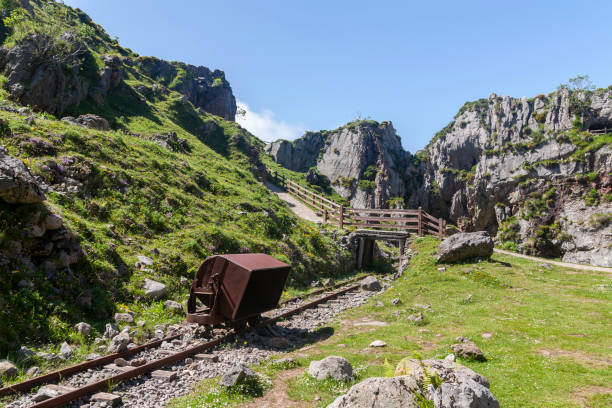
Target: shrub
x,y
592,197
599,220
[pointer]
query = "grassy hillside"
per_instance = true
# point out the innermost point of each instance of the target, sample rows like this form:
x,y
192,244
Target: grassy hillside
x,y
177,206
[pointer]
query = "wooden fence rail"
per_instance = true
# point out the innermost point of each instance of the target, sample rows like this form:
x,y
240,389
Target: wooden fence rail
x,y
417,221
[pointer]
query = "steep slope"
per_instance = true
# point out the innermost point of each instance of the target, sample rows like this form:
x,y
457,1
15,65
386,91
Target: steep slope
x,y
536,172
85,200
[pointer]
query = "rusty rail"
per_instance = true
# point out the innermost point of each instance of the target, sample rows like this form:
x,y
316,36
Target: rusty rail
x,y
415,221
103,385
77,368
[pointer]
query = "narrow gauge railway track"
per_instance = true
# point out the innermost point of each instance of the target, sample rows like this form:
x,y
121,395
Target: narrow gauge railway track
x,y
103,385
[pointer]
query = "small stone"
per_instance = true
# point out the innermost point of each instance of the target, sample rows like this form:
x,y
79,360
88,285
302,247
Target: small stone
x,y
380,304
44,394
137,362
121,362
83,328
141,323
468,299
209,358
92,356
8,369
342,345
487,335
164,375
110,400
328,282
111,331
172,305
442,269
119,343
378,343
236,375
66,352
423,331
183,281
154,289
144,261
24,354
416,317
396,301
468,350
370,283
124,317
33,371
188,360
450,357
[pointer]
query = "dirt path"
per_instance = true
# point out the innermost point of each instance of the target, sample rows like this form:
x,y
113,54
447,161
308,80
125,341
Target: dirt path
x,y
298,208
556,263
277,396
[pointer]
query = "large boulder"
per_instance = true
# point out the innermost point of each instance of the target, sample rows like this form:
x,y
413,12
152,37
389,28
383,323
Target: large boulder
x,y
8,369
465,245
335,367
460,388
371,283
380,392
17,185
89,120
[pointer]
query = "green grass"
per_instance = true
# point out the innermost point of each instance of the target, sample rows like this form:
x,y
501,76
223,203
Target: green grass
x,y
550,329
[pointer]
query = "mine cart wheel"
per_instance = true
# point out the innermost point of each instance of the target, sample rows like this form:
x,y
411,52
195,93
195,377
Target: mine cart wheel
x,y
254,321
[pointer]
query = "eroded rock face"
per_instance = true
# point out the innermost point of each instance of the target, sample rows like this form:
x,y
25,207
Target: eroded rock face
x,y
205,89
517,168
89,120
380,392
465,245
364,150
17,185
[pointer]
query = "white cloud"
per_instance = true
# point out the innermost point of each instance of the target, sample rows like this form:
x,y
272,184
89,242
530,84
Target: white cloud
x,y
265,126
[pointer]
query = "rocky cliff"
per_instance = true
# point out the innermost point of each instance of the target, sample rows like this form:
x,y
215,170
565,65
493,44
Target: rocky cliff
x,y
55,57
363,160
537,172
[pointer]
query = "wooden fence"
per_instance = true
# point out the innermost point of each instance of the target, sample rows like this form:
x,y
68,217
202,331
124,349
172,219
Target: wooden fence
x,y
414,221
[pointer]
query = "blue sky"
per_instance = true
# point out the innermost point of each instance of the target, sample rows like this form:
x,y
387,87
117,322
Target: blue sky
x,y
318,64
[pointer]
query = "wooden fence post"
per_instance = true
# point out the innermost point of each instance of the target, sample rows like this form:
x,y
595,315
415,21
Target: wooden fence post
x,y
420,222
341,220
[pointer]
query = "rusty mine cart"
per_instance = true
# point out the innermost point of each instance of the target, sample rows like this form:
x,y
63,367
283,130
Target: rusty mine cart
x,y
236,289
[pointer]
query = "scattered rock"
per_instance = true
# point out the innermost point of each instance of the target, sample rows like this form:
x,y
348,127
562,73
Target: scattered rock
x,y
144,262
450,357
137,362
371,283
124,317
89,120
154,289
416,317
236,375
378,343
121,362
53,222
44,394
8,369
487,335
141,323
396,301
468,349
119,343
33,371
66,352
109,400
468,299
24,354
335,367
111,331
83,328
442,269
328,282
380,304
380,392
92,356
465,245
172,305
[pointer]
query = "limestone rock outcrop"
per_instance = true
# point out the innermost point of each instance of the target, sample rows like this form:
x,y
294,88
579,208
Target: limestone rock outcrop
x,y
535,173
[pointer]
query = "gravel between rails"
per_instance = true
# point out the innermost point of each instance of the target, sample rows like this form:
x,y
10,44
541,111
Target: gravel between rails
x,y
250,348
